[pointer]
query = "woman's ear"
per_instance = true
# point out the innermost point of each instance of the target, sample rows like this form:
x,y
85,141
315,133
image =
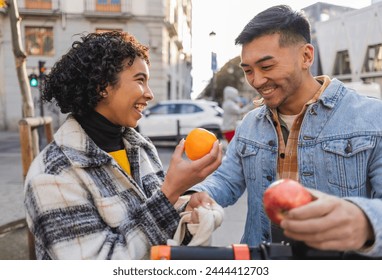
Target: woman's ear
x,y
308,56
104,93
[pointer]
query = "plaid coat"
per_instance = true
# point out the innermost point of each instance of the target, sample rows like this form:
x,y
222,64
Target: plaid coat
x,y
81,205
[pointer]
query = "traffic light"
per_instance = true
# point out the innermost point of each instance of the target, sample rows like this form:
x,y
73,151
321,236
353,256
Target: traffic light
x,y
41,67
33,80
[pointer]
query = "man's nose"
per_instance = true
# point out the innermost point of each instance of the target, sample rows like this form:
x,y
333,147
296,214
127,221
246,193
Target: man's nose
x,y
258,79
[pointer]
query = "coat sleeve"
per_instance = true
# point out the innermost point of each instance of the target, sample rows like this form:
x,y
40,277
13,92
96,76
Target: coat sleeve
x,y
69,223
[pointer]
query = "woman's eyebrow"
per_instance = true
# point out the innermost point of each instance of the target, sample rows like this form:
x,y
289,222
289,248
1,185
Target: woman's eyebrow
x,y
141,74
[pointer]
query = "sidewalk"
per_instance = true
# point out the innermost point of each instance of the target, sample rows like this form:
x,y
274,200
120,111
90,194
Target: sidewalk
x,y
13,230
11,178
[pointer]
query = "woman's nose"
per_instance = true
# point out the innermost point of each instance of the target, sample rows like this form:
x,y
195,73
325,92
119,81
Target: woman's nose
x,y
149,94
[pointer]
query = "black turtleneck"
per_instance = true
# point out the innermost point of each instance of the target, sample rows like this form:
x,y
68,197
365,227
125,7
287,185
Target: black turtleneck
x,y
105,134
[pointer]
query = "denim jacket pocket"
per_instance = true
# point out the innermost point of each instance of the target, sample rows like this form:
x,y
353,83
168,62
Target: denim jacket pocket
x,y
346,161
247,152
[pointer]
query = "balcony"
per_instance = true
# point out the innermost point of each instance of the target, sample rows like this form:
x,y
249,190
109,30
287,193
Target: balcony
x,y
39,7
171,28
107,9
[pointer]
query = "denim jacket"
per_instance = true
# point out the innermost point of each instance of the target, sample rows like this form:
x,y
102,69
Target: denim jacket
x,y
339,153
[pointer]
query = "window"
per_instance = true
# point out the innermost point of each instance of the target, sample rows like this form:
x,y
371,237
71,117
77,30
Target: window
x,y
38,4
169,52
373,60
163,109
189,109
108,5
342,64
39,40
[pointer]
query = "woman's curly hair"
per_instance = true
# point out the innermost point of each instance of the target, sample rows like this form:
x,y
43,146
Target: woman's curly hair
x,y
78,78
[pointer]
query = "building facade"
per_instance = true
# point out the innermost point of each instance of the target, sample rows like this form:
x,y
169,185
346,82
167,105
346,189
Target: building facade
x,y
49,27
350,45
319,12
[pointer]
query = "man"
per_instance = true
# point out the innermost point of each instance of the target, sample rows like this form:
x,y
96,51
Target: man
x,y
311,129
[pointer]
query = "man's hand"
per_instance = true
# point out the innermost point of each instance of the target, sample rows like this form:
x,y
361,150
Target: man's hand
x,y
196,200
328,223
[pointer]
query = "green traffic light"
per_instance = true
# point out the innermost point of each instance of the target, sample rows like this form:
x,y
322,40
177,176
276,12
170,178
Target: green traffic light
x,y
33,82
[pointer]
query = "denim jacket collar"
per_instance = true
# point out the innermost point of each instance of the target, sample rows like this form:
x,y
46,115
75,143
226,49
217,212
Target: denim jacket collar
x,y
332,94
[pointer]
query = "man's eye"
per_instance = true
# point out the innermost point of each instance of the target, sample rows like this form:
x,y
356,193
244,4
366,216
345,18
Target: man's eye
x,y
266,67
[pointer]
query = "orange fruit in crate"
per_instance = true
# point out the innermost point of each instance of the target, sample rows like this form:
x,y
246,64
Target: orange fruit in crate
x,y
198,143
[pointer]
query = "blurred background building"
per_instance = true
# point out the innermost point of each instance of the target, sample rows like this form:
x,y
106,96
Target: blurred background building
x,y
317,13
49,27
348,45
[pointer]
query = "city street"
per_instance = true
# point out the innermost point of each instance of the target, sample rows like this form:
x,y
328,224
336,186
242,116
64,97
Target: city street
x,y
13,232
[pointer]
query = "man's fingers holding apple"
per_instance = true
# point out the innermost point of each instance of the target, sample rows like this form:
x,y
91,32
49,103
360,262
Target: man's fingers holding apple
x,y
329,223
321,205
311,228
318,216
334,239
315,229
337,244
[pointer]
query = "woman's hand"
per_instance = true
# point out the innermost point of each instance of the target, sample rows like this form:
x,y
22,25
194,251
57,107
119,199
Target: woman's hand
x,y
183,173
328,223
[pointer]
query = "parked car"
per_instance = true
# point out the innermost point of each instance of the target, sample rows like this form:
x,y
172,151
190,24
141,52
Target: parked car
x,y
171,120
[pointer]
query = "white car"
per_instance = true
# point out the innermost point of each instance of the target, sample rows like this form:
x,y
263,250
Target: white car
x,y
171,120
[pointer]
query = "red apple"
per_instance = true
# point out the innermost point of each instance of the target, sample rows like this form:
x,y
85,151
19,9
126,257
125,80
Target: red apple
x,y
283,195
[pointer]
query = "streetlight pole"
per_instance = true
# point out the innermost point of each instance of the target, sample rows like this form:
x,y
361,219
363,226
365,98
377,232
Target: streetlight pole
x,y
213,64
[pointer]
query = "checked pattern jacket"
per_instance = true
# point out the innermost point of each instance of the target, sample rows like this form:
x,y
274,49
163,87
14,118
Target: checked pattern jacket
x,y
80,204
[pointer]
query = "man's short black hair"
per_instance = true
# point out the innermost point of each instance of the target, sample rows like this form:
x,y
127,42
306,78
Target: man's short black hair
x,y
293,26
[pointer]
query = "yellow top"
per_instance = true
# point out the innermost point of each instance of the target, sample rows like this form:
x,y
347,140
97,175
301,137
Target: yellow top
x,y
120,157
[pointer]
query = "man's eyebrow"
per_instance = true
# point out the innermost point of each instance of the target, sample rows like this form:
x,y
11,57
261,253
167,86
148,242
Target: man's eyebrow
x,y
267,57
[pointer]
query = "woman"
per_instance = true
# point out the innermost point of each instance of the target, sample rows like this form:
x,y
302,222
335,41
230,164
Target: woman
x,y
98,191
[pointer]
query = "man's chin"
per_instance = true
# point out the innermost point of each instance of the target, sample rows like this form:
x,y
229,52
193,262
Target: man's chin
x,y
271,105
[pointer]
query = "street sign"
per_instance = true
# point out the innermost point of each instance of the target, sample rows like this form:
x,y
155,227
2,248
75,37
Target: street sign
x,y
214,64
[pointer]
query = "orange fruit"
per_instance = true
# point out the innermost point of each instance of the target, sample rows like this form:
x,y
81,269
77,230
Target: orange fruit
x,y
198,143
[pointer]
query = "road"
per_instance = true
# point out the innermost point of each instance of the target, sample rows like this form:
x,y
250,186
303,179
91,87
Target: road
x,y
13,240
